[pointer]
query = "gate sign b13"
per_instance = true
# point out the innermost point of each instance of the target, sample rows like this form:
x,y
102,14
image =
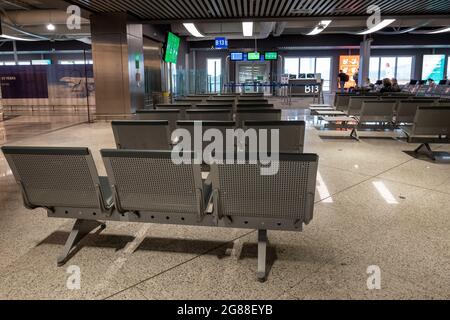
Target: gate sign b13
x,y
221,43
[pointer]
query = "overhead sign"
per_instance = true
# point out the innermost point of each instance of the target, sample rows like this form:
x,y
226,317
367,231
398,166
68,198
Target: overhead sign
x,y
221,43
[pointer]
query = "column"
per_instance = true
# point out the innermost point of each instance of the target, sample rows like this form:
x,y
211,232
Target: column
x,y
117,51
364,61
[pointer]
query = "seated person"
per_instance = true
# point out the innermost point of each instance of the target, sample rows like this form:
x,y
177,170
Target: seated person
x,y
387,86
395,86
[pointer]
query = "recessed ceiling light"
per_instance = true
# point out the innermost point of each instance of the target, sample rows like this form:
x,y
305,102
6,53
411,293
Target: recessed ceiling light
x,y
51,27
320,27
247,29
378,27
192,29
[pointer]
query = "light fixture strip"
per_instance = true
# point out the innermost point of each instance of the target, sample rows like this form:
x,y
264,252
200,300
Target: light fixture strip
x,y
320,27
192,29
378,27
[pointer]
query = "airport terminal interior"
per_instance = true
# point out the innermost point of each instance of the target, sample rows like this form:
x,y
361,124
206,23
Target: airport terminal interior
x,y
344,105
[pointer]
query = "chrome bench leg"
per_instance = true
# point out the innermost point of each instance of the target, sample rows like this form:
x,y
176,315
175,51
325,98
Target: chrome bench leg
x,y
425,149
262,255
80,229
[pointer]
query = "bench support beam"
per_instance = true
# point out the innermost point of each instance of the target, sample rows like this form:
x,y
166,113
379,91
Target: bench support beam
x,y
262,255
425,149
80,229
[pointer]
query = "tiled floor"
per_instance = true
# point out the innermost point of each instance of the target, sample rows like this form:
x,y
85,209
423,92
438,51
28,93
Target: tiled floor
x,y
375,206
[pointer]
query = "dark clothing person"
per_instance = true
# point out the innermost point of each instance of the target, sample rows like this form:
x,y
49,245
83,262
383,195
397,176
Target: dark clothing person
x,y
343,78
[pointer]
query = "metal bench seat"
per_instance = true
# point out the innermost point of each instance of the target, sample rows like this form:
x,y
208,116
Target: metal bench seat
x,y
149,187
65,182
431,125
142,134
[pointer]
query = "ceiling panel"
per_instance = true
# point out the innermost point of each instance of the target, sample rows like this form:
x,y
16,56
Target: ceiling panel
x,y
231,9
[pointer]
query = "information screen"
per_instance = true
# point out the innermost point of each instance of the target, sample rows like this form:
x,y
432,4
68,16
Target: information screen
x,y
172,47
221,43
236,56
254,56
271,55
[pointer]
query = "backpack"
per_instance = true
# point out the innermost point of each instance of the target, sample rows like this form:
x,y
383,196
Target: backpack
x,y
347,78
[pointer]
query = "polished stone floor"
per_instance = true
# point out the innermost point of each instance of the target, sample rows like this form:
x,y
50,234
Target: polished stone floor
x,y
376,205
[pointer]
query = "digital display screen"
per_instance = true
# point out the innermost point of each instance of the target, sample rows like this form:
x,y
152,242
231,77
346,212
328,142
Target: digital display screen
x,y
172,46
221,43
271,55
254,56
236,56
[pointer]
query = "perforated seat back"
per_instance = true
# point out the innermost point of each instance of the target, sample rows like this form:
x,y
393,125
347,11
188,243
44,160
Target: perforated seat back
x,y
407,109
254,105
253,101
142,135
209,114
222,126
215,106
55,177
432,121
261,114
242,191
162,115
355,104
182,107
150,181
341,102
292,134
382,111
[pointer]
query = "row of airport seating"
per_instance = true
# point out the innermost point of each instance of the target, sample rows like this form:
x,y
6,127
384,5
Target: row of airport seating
x,y
173,114
425,120
157,134
146,186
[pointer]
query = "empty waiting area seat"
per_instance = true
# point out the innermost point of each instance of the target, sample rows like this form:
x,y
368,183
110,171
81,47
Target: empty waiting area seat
x,y
431,125
65,182
142,134
243,198
260,114
209,114
291,133
149,187
171,115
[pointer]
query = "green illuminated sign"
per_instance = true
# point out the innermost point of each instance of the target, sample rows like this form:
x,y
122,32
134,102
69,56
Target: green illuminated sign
x,y
172,46
271,56
252,56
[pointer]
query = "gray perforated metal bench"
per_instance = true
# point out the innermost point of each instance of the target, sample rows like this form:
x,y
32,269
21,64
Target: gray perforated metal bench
x,y
209,114
171,115
142,134
65,182
243,198
378,113
148,187
291,133
257,114
431,125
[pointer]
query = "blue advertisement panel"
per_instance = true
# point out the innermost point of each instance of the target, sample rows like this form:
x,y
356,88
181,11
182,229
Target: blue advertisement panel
x,y
24,82
433,67
71,81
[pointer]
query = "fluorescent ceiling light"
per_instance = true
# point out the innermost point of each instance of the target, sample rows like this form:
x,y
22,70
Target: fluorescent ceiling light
x,y
51,27
247,29
15,38
440,30
193,30
378,27
320,27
